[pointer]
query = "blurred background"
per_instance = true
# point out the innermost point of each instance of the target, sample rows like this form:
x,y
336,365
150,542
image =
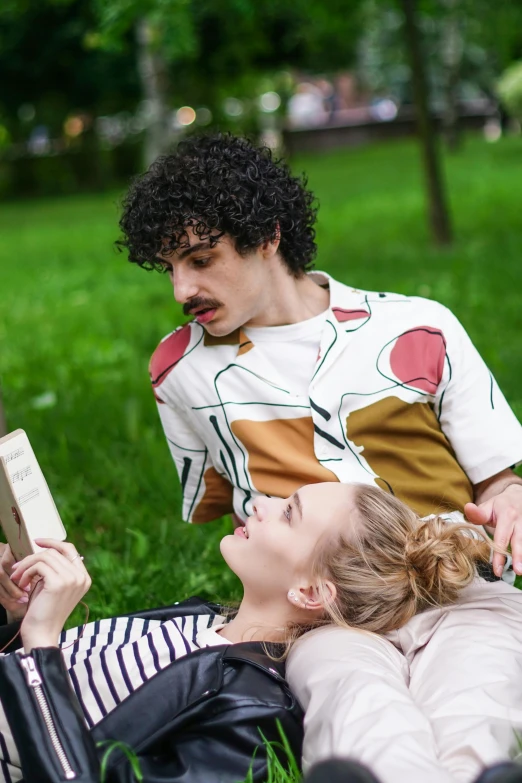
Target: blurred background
x,y
93,90
404,114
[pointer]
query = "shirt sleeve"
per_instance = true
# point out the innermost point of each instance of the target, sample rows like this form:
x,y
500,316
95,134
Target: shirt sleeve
x,y
353,686
206,494
483,431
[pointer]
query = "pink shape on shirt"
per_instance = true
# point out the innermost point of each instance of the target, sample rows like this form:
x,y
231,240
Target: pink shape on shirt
x,y
349,315
417,358
168,353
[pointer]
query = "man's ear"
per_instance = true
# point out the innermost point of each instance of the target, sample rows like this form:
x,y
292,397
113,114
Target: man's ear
x,y
269,249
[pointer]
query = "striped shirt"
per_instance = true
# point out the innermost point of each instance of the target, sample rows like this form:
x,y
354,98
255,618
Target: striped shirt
x,y
112,659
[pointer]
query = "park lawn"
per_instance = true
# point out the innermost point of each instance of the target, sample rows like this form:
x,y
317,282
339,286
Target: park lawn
x,y
78,325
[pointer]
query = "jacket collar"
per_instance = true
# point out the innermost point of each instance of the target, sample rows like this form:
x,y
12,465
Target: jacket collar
x,y
182,685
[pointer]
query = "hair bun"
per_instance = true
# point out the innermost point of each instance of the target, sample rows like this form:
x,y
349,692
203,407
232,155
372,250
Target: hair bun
x,y
440,559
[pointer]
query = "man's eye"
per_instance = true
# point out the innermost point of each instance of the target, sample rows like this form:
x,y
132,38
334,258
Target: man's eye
x,y
288,512
201,262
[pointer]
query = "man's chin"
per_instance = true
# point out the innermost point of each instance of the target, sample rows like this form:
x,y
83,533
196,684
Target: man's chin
x,y
218,329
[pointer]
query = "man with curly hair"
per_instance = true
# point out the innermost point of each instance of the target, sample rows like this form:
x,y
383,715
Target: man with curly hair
x,y
285,376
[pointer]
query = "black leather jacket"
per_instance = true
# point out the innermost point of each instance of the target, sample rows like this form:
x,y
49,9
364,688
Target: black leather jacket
x,y
197,721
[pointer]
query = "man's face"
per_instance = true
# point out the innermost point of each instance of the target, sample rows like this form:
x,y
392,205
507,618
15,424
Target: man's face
x,y
216,285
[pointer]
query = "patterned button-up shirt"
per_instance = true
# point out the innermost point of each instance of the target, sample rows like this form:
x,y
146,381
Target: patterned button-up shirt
x,y
399,396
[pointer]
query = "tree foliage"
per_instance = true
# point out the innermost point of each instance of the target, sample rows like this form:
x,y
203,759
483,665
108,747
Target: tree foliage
x,y
46,61
510,89
221,36
489,38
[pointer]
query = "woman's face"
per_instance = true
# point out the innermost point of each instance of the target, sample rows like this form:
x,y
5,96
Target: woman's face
x,y
273,552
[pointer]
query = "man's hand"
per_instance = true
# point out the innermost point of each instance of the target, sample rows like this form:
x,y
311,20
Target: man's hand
x,y
503,513
12,598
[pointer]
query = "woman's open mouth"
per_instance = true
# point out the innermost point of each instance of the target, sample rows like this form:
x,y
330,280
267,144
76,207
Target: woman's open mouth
x,y
241,531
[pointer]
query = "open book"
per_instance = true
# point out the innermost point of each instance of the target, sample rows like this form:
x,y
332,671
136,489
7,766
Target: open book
x,y
27,509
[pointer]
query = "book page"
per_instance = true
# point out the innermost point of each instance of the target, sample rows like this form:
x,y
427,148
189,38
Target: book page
x,y
30,488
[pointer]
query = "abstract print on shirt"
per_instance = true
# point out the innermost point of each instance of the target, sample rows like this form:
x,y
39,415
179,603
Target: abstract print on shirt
x,y
398,397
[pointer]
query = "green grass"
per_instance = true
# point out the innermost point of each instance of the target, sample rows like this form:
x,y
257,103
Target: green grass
x,y
283,767
78,325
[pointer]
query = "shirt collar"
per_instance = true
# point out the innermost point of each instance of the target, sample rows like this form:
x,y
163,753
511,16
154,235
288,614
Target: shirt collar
x,y
237,337
342,306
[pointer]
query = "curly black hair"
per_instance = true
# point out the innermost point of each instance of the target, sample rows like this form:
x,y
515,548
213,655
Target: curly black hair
x,y
219,184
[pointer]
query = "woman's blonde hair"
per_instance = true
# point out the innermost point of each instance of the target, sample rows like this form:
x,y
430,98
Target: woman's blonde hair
x,y
391,564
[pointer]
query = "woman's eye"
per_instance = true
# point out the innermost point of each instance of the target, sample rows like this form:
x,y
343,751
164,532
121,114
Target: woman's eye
x,y
288,512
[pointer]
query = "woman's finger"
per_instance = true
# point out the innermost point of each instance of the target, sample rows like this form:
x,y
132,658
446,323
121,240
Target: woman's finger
x,y
63,581
43,570
8,601
7,560
66,573
55,561
12,592
67,549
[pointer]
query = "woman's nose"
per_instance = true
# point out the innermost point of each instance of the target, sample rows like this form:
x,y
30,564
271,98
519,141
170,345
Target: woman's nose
x,y
265,508
260,509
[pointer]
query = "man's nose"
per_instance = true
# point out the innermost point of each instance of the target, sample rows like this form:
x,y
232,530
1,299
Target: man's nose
x,y
184,285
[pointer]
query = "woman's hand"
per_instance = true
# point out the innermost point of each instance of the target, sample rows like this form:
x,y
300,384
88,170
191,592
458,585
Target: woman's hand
x,y
12,598
62,582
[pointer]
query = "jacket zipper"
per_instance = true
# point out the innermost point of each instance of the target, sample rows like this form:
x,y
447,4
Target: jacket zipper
x,y
35,682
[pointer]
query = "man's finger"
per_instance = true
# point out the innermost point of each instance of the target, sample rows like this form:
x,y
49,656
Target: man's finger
x,y
516,547
498,563
478,515
502,538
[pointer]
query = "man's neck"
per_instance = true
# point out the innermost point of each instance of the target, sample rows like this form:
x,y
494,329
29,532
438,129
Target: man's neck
x,y
290,300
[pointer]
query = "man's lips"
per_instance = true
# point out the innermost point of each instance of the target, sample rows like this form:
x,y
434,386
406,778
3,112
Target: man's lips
x,y
203,310
204,316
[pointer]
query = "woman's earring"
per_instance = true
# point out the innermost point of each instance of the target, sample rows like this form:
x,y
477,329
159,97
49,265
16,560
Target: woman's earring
x,y
292,595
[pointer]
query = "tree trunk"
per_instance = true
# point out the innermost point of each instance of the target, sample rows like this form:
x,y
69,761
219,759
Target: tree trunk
x,y
439,219
152,71
451,55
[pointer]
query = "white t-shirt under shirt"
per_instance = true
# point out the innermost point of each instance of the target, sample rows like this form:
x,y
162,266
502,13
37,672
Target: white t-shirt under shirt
x,y
297,349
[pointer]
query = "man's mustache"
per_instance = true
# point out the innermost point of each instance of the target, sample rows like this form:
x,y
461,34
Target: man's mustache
x,y
198,303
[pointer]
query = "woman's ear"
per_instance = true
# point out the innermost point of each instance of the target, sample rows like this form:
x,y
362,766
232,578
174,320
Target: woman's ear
x,y
311,598
329,593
